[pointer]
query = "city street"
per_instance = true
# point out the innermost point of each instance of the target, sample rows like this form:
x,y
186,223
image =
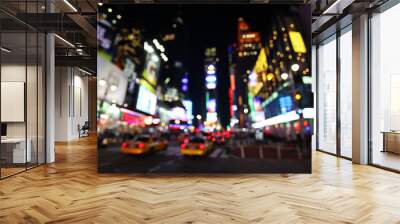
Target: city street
x,y
231,94
242,159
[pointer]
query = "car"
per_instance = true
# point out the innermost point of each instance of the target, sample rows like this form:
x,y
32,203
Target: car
x,y
144,144
182,137
107,138
196,146
220,140
208,135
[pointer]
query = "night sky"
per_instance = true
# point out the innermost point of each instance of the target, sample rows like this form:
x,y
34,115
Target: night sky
x,y
205,26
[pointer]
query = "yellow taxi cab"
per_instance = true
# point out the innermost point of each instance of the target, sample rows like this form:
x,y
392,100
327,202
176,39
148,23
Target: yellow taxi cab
x,y
144,144
196,146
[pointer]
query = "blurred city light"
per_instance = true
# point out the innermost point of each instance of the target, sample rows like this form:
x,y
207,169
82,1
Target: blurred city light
x,y
211,69
295,67
102,82
211,78
297,42
148,48
307,80
113,87
148,120
155,58
270,76
297,96
156,120
284,76
164,57
253,76
211,85
279,119
158,45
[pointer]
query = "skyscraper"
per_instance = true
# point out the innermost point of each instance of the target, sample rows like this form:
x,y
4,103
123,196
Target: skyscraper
x,y
210,67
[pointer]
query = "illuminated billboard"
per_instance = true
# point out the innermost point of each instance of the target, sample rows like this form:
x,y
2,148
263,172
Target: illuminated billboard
x,y
152,65
146,101
261,63
297,42
189,109
212,105
112,81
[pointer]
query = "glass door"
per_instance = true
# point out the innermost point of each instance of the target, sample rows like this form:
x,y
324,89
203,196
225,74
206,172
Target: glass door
x,y
326,95
22,77
345,92
14,153
385,89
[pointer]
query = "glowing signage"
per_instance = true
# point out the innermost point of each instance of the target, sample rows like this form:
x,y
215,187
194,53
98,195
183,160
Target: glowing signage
x,y
284,118
249,37
232,77
297,42
113,83
212,117
178,113
211,78
261,63
230,92
211,69
211,85
146,101
285,104
212,105
152,65
189,109
307,80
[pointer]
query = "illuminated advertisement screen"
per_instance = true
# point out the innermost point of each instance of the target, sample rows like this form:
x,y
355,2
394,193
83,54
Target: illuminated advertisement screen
x,y
105,35
152,67
146,101
297,42
188,106
211,105
285,104
112,82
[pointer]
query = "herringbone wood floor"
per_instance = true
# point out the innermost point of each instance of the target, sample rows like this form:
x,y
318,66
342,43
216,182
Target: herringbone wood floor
x,y
71,191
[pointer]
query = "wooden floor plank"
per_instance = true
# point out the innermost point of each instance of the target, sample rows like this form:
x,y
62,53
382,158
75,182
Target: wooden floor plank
x,y
71,191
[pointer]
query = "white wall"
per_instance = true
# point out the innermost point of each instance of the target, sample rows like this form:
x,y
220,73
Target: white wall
x,y
71,102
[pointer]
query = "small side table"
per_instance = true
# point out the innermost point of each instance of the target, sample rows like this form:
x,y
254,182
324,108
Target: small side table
x,y
391,141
